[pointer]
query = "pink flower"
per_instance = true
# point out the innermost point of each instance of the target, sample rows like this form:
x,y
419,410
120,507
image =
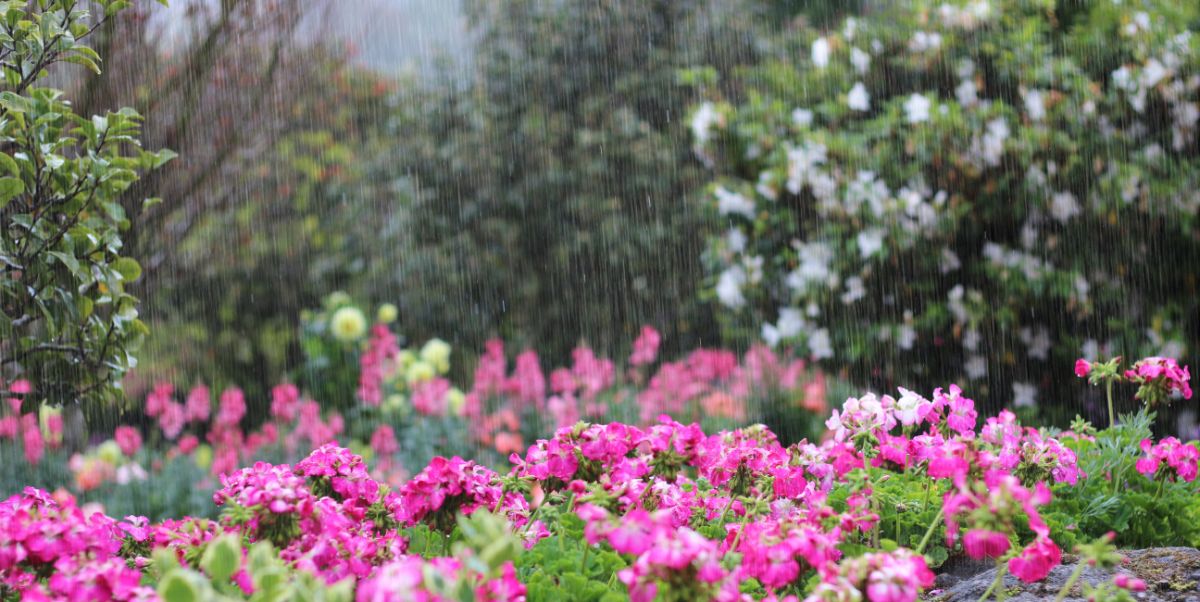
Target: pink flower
x,y
128,439
1036,560
231,409
197,405
285,399
158,398
1180,457
1082,368
429,397
645,348
383,441
35,445
981,543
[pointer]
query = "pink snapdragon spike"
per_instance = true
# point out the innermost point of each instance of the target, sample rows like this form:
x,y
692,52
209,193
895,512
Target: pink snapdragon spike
x,y
1170,459
377,364
645,348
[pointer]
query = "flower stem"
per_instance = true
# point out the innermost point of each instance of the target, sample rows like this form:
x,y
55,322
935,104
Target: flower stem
x,y
1062,593
1001,569
1112,417
929,532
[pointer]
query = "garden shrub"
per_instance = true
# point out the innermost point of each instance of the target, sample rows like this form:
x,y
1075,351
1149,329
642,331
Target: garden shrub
x,y
964,190
68,327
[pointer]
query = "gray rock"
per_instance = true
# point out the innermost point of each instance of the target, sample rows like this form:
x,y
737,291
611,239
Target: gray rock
x,y
1171,575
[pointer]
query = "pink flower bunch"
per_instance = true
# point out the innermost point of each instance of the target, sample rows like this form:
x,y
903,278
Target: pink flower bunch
x,y
989,510
1026,451
1170,459
897,576
1159,378
377,364
447,487
429,397
128,439
645,347
26,427
40,535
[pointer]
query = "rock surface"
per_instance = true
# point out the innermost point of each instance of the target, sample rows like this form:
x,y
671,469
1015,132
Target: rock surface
x,y
1171,575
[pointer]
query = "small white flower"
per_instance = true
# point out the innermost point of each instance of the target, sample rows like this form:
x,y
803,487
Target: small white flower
x,y
729,287
860,59
906,337
802,117
976,367
802,164
791,322
819,344
870,241
916,108
1024,395
736,240
820,53
703,121
1063,206
734,203
855,290
967,93
1034,105
858,99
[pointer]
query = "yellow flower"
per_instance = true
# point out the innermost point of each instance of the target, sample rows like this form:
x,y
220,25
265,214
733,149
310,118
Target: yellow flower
x,y
348,324
203,456
110,452
419,372
437,352
395,404
387,313
455,400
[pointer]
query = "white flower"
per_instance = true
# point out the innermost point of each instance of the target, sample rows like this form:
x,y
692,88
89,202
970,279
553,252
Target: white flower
x,y
850,29
925,41
976,367
791,322
967,93
1024,395
906,337
908,407
820,53
950,261
703,120
729,287
766,187
819,344
1153,73
858,99
770,334
993,141
860,59
802,164
1034,106
916,108
855,290
1063,206
802,117
732,202
348,324
736,240
870,241
814,266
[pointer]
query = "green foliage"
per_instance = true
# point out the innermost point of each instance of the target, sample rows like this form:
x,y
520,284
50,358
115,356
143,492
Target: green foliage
x,y
547,203
1010,186
272,579
564,567
67,322
1114,496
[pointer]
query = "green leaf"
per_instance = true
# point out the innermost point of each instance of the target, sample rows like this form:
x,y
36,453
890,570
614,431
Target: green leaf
x,y
176,587
10,187
10,165
128,268
221,558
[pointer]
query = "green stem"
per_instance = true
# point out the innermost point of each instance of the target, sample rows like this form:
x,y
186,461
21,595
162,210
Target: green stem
x,y
1112,417
726,510
583,563
1062,593
1161,483
1001,569
929,532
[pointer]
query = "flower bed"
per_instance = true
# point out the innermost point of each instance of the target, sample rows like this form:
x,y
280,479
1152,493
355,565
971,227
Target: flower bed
x,y
662,512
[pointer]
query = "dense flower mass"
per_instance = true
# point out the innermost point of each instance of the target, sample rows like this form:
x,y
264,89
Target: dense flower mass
x,y
673,503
